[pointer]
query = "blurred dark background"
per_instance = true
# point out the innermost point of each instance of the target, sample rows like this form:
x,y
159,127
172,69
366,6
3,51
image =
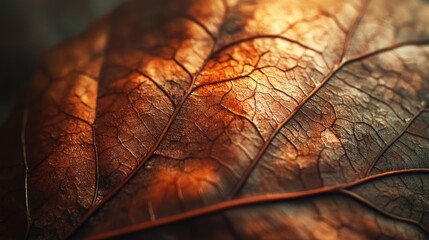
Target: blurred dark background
x,y
29,27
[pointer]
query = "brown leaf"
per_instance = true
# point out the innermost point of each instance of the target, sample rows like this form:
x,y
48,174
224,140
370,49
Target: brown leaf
x,y
227,120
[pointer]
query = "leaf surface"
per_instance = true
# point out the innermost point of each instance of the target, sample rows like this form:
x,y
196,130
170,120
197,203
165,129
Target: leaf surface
x,y
227,120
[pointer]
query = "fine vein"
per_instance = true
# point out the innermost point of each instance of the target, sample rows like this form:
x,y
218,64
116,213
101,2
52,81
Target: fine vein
x,y
391,142
26,169
385,213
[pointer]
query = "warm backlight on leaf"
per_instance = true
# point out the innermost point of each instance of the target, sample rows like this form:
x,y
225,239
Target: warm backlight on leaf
x,y
226,120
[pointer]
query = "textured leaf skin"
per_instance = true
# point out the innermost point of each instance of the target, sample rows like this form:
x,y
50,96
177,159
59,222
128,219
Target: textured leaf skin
x,y
227,120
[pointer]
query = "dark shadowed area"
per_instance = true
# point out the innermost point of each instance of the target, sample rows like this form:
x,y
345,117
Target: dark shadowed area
x,y
27,28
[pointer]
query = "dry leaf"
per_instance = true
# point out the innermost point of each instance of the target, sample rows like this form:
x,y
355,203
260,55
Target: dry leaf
x,y
227,120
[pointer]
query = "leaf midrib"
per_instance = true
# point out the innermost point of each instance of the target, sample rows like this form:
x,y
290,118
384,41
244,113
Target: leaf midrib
x,y
241,202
